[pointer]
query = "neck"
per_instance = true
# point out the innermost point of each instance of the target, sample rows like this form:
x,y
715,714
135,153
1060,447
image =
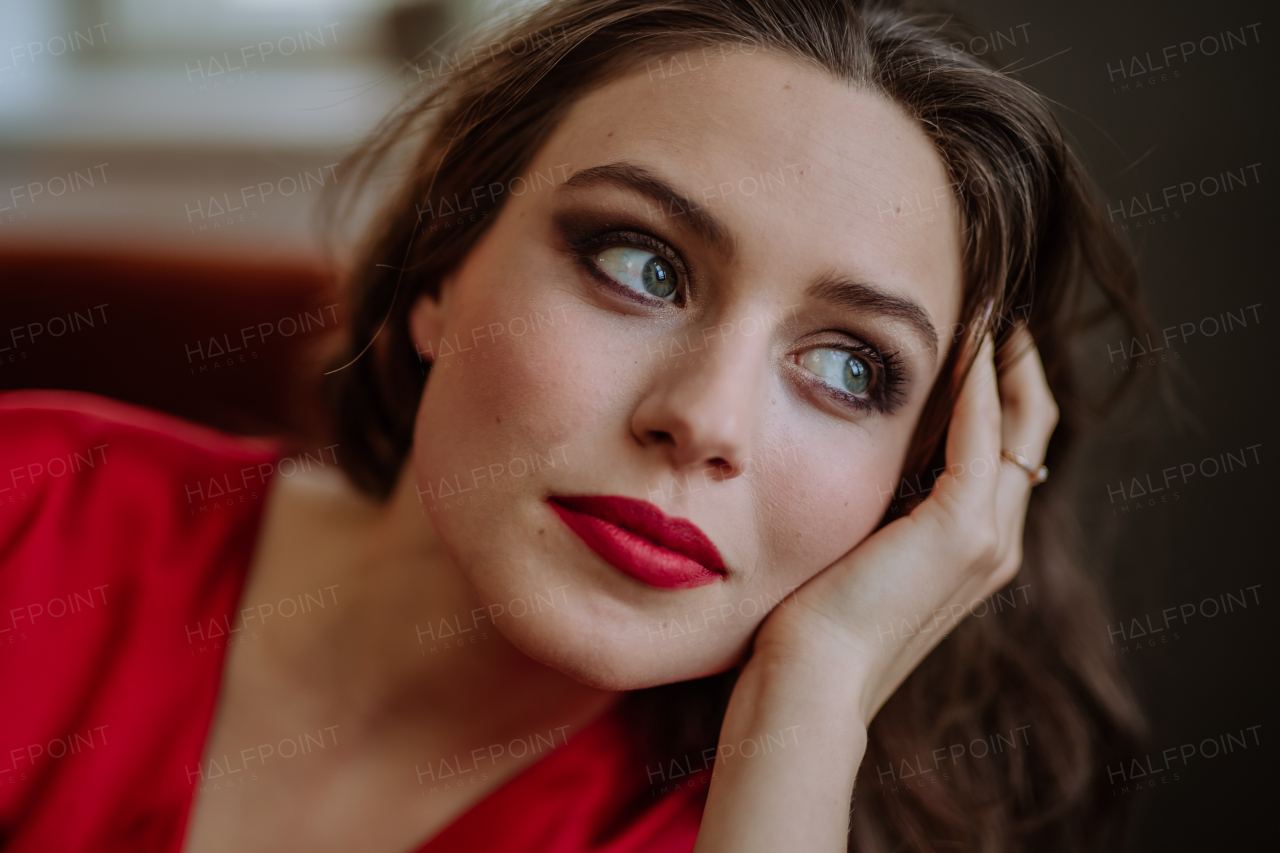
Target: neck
x,y
408,643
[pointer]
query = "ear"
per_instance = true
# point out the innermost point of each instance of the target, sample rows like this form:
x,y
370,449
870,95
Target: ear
x,y
428,318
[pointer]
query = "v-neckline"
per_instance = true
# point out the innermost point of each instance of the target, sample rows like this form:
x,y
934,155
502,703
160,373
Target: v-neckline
x,y
600,730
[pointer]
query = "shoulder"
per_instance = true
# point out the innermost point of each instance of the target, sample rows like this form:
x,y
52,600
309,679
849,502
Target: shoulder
x,y
112,558
57,443
59,422
86,478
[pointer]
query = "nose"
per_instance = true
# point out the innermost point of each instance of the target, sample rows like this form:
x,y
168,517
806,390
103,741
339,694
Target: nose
x,y
702,408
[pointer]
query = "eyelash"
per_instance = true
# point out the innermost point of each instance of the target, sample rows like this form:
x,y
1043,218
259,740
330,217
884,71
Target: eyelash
x,y
886,391
586,246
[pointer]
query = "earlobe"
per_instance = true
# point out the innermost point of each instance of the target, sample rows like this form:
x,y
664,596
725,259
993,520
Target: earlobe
x,y
425,324
427,319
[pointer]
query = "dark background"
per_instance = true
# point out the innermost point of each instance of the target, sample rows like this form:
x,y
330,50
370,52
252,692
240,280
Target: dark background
x,y
1218,534
1195,118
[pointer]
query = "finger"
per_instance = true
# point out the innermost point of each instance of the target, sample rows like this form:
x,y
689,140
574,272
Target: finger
x,y
1029,415
930,551
967,490
1027,404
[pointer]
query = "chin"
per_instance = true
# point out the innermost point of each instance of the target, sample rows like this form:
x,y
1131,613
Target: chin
x,y
606,643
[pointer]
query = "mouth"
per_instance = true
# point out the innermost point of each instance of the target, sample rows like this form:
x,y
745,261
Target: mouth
x,y
640,540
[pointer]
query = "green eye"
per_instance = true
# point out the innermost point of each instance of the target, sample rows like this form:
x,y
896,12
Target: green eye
x,y
846,371
639,270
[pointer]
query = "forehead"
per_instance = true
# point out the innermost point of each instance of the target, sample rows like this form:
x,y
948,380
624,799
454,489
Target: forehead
x,y
809,173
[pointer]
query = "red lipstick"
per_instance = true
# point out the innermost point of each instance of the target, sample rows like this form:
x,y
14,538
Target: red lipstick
x,y
640,540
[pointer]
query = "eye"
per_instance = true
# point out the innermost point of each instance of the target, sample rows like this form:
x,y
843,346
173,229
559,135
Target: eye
x,y
639,270
846,371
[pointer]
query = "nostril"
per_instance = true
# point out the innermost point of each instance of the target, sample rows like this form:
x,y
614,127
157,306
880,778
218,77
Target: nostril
x,y
661,437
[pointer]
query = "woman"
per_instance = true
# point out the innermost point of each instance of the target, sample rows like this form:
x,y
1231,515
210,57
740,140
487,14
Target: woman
x,y
693,404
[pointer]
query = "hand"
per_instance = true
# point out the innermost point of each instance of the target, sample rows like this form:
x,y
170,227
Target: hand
x,y
959,545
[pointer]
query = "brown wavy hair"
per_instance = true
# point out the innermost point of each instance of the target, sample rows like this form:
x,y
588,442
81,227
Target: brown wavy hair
x,y
1035,250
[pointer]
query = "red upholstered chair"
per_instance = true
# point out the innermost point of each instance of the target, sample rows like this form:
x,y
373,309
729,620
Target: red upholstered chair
x,y
235,342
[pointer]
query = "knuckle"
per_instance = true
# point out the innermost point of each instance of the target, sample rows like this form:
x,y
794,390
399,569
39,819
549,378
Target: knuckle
x,y
1039,408
1008,568
984,542
1051,413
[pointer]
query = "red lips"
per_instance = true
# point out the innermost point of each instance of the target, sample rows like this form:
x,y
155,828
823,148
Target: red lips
x,y
641,540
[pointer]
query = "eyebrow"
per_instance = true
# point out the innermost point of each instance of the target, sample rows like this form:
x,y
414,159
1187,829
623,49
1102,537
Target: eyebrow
x,y
865,298
670,201
839,290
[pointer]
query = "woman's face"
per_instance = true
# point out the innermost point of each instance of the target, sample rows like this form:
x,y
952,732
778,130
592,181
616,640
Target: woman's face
x,y
616,370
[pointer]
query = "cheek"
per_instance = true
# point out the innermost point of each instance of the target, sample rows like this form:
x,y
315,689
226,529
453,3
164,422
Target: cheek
x,y
497,390
513,399
816,508
527,394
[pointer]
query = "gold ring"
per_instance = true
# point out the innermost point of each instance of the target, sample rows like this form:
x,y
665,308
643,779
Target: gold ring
x,y
1037,473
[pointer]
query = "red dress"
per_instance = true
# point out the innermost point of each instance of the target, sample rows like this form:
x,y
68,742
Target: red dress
x,y
125,537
